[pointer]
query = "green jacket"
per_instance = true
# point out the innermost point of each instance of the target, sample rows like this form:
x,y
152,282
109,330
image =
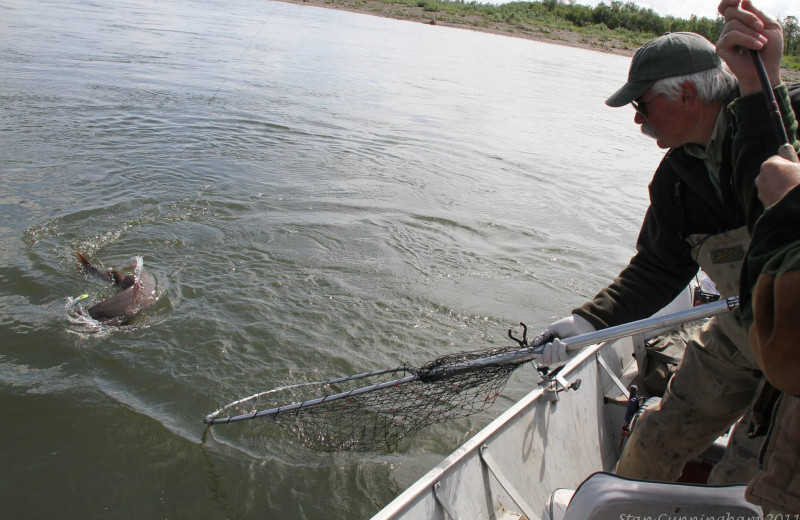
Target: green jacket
x,y
769,302
683,202
770,283
771,293
774,253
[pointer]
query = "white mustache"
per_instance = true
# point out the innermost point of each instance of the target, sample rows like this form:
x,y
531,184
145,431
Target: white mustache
x,y
648,130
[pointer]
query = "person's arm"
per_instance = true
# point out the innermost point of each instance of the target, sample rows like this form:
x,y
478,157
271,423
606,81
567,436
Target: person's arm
x,y
772,269
754,141
649,282
660,270
770,283
749,29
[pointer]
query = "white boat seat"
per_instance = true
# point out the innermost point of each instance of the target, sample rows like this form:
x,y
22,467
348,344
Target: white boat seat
x,y
556,505
605,496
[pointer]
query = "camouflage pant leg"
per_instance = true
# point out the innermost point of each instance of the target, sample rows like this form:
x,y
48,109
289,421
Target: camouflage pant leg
x,y
740,462
712,388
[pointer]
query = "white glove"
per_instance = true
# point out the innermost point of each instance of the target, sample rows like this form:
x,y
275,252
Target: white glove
x,y
556,351
552,353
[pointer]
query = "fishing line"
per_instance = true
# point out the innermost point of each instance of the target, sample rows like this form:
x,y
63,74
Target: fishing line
x,y
236,62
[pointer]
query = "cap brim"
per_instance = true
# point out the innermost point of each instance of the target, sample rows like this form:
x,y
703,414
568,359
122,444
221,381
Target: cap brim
x,y
630,91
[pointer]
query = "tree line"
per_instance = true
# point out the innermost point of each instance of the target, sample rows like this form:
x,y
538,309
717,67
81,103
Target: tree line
x,y
629,16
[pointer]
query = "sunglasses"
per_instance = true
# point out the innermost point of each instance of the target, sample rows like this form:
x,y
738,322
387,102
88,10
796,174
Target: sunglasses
x,y
641,106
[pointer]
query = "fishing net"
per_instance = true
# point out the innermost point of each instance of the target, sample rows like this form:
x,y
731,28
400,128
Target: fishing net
x,y
373,411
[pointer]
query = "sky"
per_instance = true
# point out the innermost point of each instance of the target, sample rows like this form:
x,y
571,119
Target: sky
x,y
708,8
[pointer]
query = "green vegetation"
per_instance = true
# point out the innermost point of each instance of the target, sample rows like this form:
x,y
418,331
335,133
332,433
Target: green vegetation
x,y
621,23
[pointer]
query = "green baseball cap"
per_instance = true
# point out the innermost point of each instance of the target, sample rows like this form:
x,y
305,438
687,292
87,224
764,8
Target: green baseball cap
x,y
674,54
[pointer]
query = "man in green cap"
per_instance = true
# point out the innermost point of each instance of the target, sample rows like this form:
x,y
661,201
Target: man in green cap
x,y
679,89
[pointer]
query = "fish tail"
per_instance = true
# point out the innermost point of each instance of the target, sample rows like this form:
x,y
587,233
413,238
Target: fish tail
x,y
90,269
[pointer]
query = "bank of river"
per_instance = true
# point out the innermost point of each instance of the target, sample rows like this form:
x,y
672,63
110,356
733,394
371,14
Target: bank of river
x,y
477,23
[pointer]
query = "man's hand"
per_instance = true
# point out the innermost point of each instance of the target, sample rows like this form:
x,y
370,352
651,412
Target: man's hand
x,y
556,351
778,176
747,28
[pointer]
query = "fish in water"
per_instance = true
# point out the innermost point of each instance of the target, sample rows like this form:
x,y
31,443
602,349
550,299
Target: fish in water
x,y
136,293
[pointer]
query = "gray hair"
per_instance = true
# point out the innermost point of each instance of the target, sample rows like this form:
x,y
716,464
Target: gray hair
x,y
713,85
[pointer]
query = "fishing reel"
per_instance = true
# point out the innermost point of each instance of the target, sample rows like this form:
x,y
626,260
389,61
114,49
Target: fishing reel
x,y
700,297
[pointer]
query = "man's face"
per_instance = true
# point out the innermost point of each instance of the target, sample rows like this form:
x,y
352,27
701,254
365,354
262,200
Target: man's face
x,y
662,119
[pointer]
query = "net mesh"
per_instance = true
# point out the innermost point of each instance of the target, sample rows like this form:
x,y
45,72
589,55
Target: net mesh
x,y
379,418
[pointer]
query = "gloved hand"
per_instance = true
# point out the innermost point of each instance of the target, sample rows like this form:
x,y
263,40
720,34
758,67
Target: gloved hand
x,y
556,351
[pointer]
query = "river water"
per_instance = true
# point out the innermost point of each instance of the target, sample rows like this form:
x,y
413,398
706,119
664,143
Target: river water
x,y
317,193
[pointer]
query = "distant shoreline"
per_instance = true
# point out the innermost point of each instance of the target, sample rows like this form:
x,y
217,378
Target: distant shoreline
x,y
418,14
546,35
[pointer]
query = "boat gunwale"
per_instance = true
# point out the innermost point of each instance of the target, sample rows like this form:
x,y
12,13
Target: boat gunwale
x,y
472,446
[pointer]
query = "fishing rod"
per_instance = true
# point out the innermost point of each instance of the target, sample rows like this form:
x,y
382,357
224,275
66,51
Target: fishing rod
x,y
454,385
785,148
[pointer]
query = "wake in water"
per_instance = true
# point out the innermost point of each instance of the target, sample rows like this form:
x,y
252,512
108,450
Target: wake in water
x,y
84,324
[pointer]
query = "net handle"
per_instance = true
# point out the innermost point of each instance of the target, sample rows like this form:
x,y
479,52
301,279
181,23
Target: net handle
x,y
707,310
573,343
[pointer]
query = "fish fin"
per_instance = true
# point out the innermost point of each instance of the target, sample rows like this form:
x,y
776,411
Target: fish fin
x,y
123,281
83,260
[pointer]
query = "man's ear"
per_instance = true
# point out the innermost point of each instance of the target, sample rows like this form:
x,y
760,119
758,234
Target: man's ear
x,y
688,94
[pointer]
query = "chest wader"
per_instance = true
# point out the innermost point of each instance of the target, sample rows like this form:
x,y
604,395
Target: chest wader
x,y
721,256
713,386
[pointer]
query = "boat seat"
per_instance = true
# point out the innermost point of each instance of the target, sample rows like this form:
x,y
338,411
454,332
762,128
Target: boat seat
x,y
606,496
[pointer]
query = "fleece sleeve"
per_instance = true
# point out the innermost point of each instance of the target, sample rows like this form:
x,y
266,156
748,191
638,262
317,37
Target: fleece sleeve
x,y
773,309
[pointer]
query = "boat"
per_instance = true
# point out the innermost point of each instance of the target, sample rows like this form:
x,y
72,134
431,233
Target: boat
x,y
551,455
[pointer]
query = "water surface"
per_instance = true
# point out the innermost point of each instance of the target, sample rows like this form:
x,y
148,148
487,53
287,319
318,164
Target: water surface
x,y
317,193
